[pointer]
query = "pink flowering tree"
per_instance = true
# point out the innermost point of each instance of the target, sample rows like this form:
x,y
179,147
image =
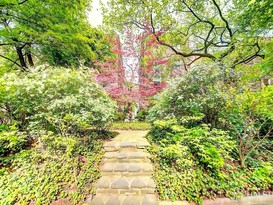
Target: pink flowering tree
x,y
132,77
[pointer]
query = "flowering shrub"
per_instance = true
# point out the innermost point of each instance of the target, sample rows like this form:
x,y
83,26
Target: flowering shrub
x,y
61,100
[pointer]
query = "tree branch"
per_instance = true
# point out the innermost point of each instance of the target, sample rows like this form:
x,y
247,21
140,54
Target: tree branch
x,y
222,17
206,55
14,62
250,58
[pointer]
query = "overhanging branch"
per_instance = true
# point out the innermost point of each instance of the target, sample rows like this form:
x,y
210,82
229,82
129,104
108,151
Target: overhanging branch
x,y
14,62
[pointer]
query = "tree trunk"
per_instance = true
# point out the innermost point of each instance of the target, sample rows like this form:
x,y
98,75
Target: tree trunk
x,y
30,60
130,111
21,57
29,56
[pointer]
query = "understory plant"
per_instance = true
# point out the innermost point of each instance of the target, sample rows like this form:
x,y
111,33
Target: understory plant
x,y
53,121
213,139
57,168
198,163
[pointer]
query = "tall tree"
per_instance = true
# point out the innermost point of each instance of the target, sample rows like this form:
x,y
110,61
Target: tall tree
x,y
191,29
56,29
133,75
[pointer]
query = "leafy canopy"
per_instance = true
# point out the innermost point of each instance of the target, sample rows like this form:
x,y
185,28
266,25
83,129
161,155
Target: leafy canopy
x,y
57,30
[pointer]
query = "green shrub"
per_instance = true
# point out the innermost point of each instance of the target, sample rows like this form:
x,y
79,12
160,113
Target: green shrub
x,y
62,100
55,169
200,92
209,147
11,142
197,163
142,115
249,117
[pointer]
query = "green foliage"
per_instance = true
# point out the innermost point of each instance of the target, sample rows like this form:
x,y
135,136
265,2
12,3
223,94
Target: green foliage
x,y
255,15
142,115
217,30
130,126
61,100
54,169
209,147
11,142
200,93
249,116
197,163
57,30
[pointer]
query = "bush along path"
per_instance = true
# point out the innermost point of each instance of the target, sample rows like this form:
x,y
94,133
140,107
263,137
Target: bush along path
x,y
126,172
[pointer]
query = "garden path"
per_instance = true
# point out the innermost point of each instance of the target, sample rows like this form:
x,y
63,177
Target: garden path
x,y
126,172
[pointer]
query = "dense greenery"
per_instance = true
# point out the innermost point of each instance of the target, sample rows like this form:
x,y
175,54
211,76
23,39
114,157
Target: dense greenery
x,y
53,121
202,93
56,32
56,168
64,101
214,136
213,140
198,162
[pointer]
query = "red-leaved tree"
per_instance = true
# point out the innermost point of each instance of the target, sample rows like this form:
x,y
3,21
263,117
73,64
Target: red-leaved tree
x,y
133,75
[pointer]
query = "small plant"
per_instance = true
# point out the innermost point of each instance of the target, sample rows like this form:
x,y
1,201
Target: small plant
x,y
11,142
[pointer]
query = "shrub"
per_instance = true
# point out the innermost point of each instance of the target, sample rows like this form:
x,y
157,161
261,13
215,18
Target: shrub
x,y
142,115
57,168
200,92
209,147
11,142
196,163
64,101
249,115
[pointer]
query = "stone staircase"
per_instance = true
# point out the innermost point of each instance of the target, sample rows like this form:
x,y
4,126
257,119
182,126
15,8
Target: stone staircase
x,y
126,172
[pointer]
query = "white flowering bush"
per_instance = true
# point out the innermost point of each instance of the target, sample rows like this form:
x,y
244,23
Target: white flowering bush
x,y
62,100
197,96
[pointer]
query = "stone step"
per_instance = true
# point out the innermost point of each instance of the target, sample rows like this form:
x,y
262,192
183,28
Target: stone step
x,y
117,145
125,160
123,199
127,174
127,154
126,167
126,191
117,183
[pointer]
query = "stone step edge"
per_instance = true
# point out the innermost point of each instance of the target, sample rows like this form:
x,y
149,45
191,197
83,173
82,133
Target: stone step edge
x,y
129,161
138,191
112,149
126,167
127,174
124,155
125,182
123,199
